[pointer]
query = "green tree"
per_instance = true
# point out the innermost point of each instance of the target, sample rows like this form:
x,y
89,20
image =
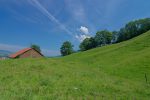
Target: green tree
x,y
121,35
87,44
134,28
114,37
66,48
103,37
36,47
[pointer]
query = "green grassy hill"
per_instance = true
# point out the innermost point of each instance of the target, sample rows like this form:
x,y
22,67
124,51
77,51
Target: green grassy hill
x,y
112,72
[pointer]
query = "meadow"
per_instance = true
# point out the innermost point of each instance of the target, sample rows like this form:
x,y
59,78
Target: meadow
x,y
118,72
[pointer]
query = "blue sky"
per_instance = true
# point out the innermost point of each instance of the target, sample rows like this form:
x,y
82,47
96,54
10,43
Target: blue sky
x,y
49,23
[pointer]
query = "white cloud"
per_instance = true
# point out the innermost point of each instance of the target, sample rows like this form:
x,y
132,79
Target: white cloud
x,y
15,48
84,30
81,37
84,33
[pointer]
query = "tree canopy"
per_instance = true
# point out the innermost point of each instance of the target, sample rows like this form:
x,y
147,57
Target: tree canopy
x,y
103,37
66,48
133,28
87,44
36,47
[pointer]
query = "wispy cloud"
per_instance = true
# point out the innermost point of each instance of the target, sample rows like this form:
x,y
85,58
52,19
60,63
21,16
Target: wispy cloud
x,y
15,48
40,7
80,12
12,48
112,7
77,10
18,11
20,17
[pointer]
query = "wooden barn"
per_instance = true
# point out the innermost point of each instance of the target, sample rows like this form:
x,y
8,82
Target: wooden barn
x,y
27,53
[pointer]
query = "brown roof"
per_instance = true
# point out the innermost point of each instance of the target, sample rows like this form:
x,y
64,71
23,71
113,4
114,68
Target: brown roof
x,y
21,52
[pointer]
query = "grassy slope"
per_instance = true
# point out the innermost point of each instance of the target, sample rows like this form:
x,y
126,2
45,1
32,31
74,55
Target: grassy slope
x,y
111,72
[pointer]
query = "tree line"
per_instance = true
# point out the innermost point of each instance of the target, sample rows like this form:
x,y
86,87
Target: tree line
x,y
105,37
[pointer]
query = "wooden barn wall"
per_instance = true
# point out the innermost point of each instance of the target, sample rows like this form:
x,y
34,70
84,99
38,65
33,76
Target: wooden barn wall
x,y
31,54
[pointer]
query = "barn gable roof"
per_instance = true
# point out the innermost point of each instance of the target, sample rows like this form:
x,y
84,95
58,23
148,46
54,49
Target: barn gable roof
x,y
21,52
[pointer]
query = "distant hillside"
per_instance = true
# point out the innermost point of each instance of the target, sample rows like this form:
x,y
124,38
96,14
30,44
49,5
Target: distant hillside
x,y
4,53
